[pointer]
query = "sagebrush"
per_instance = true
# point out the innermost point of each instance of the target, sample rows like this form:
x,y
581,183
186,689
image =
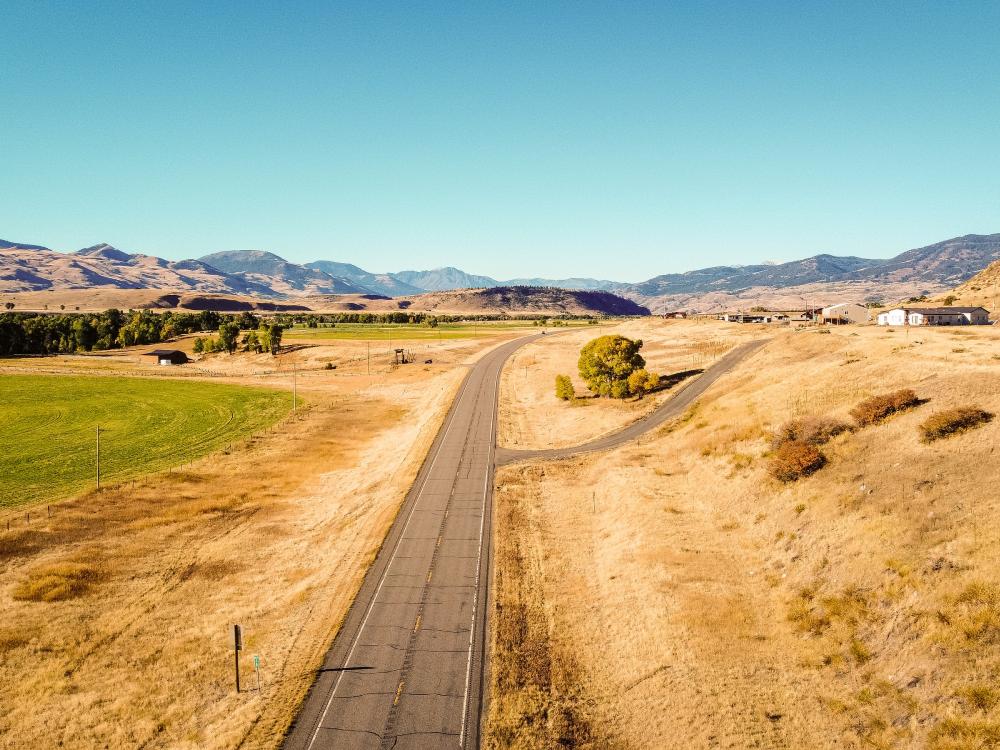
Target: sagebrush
x,y
951,421
795,459
877,408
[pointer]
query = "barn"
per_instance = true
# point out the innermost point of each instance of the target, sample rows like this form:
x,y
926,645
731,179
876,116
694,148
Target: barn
x,y
167,357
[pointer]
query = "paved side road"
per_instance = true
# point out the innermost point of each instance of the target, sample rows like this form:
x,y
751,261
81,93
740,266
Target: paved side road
x,y
669,409
406,670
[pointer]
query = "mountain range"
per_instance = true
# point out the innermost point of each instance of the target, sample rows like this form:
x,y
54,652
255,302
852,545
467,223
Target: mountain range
x,y
820,278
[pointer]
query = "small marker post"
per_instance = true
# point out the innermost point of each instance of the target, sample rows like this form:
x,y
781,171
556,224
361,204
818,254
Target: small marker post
x,y
256,668
237,647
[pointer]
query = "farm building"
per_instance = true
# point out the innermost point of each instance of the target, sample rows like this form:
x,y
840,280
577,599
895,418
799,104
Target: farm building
x,y
168,357
935,316
845,312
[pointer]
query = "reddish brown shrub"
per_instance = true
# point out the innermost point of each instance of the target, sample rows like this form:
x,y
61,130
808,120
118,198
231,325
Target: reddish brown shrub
x,y
812,430
877,408
951,421
795,459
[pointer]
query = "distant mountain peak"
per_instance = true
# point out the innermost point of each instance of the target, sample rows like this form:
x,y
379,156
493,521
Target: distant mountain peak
x,y
104,250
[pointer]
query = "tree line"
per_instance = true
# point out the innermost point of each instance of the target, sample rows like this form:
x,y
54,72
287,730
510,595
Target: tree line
x,y
42,333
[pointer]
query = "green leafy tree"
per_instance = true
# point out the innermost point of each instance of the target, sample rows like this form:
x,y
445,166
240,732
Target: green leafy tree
x,y
607,362
641,382
199,345
251,342
275,331
84,333
564,388
229,334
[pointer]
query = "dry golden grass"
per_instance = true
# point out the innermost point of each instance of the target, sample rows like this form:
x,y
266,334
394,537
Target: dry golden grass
x,y
532,417
704,604
116,609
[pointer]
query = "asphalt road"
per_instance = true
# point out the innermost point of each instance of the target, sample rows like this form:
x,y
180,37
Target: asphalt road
x,y
407,668
674,407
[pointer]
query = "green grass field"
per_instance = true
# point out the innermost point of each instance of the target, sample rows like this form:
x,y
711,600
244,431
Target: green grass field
x,y
48,425
413,332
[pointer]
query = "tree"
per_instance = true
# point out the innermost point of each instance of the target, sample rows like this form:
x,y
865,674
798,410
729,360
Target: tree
x,y
84,334
9,305
251,342
641,382
274,337
199,345
950,300
564,388
229,334
606,363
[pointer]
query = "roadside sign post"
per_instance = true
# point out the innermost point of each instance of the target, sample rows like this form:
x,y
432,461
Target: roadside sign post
x,y
256,668
98,457
237,647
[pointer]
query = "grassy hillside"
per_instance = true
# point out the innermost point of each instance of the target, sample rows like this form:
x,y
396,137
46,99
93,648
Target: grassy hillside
x,y
703,603
983,289
47,447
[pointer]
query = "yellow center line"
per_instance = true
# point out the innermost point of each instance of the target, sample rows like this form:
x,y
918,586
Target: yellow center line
x,y
399,691
429,574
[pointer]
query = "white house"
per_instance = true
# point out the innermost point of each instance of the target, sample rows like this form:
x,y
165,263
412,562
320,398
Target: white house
x,y
935,316
845,312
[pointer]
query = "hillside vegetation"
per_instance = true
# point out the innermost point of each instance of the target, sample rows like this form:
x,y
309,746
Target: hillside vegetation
x,y
703,603
981,290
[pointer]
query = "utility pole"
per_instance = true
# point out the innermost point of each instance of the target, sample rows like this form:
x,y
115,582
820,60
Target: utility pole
x,y
294,389
369,343
98,457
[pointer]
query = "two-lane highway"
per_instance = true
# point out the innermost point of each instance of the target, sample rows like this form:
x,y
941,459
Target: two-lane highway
x,y
406,669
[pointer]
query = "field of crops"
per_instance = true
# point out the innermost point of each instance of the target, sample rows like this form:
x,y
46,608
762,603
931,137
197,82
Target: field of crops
x,y
412,332
48,427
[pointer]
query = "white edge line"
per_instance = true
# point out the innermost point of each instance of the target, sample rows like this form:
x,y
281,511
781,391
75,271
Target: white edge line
x,y
371,604
479,557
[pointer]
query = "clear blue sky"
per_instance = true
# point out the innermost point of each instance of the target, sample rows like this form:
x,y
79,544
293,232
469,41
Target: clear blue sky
x,y
617,140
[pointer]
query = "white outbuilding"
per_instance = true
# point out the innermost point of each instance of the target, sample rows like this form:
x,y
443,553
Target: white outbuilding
x,y
845,312
935,316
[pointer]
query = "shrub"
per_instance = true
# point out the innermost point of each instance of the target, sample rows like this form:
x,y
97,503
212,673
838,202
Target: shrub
x,y
980,696
795,459
877,408
56,582
812,430
951,421
564,388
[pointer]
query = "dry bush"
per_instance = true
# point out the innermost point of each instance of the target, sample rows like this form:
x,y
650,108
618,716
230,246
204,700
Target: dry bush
x,y
57,582
977,614
877,408
951,421
11,639
794,460
959,734
980,696
812,430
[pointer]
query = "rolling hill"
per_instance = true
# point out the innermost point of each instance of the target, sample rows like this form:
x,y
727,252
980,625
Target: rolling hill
x,y
817,280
